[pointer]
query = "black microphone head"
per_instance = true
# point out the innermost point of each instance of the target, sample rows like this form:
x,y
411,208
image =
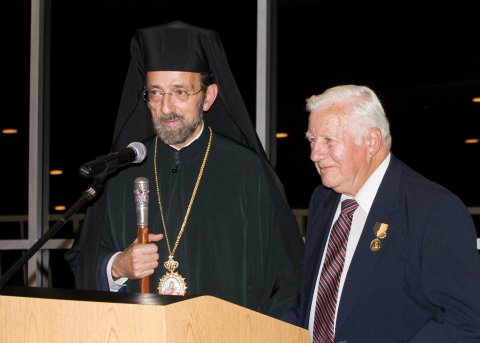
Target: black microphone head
x,y
140,151
104,165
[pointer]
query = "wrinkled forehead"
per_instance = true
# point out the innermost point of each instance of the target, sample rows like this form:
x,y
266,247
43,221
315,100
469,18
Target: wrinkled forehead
x,y
329,121
172,78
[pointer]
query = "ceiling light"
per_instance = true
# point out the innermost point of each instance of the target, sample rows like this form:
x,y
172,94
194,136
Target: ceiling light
x,y
281,135
56,172
9,131
59,208
472,140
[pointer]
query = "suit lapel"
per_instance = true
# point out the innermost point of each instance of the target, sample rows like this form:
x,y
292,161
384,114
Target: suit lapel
x,y
364,260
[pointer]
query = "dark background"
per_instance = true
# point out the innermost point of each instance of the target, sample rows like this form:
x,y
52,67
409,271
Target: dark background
x,y
421,57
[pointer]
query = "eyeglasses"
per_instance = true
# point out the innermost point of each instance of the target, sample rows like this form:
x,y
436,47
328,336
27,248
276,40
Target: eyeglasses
x,y
155,95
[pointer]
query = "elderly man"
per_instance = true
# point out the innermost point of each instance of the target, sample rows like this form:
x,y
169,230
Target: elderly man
x,y
390,256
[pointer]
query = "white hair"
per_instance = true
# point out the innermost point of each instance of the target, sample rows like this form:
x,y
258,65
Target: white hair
x,y
361,105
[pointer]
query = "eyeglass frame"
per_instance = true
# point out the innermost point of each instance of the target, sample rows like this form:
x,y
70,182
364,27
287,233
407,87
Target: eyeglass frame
x,y
162,93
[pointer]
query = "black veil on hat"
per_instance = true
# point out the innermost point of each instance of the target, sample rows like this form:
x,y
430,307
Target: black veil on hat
x,y
178,46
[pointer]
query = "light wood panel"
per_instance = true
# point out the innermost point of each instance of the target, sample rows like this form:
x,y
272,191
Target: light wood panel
x,y
197,320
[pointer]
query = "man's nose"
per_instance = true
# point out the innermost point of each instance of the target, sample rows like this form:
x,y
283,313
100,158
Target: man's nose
x,y
317,151
167,103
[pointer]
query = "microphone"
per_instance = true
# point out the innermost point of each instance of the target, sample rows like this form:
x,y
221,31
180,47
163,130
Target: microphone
x,y
103,165
141,190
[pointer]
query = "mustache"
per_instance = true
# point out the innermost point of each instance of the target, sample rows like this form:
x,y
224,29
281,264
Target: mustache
x,y
170,116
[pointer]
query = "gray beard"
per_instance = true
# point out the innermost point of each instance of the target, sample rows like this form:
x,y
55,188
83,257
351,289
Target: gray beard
x,y
174,136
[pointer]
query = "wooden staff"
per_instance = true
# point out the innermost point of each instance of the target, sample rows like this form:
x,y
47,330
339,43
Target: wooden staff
x,y
144,283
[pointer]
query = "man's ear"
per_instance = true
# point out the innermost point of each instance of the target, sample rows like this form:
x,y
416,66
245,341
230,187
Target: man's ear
x,y
374,140
210,96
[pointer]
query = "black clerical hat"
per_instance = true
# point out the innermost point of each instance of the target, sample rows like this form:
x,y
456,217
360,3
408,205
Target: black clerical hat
x,y
178,46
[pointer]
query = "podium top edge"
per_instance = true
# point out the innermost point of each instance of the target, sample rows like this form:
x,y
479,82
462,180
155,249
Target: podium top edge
x,y
90,295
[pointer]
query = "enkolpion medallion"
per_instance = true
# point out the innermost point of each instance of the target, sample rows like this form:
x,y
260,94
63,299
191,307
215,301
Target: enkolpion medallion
x,y
172,283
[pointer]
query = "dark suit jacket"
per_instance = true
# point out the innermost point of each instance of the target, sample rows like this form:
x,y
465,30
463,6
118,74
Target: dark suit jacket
x,y
423,285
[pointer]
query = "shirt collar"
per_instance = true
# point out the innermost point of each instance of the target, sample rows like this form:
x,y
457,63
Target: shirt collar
x,y
366,194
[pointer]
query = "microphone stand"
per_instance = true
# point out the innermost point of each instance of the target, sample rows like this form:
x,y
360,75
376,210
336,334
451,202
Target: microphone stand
x,y
87,196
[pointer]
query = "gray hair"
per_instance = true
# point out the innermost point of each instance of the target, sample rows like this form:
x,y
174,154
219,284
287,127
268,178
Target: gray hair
x,y
362,106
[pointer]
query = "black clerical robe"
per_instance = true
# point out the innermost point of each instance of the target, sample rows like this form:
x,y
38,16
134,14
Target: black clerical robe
x,y
231,247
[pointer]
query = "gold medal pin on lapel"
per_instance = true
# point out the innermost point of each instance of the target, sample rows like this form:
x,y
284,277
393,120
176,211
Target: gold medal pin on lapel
x,y
380,232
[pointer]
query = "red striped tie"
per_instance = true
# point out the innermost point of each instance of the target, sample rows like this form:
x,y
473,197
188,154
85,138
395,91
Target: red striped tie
x,y
323,329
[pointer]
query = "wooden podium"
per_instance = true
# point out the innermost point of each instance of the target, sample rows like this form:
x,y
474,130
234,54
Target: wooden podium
x,y
59,315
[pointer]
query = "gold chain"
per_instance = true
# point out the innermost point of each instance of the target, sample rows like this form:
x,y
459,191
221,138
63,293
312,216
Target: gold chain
x,y
200,173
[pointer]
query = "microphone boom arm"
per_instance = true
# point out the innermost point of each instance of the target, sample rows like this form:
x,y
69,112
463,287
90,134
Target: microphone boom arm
x,y
88,195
